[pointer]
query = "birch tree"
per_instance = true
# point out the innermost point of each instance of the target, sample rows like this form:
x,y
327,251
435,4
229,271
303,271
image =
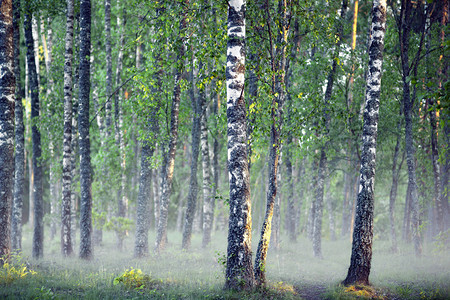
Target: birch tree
x,y
7,88
361,257
38,231
239,271
19,162
83,128
66,241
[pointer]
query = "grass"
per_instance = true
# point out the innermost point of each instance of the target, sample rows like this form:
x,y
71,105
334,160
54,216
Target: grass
x,y
292,273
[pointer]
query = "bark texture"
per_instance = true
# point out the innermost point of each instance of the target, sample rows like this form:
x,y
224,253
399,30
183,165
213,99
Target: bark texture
x,y
66,238
83,128
318,207
360,262
239,271
7,89
38,232
405,29
161,235
193,184
208,201
19,161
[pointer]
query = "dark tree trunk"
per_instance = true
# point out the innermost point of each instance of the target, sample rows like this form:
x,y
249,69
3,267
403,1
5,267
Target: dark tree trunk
x,y
161,235
83,128
7,88
38,233
317,227
19,161
278,66
193,184
406,235
405,29
66,239
360,262
393,193
239,271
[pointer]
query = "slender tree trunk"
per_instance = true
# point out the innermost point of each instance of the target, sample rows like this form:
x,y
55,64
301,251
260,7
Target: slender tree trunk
x,y
7,98
122,200
239,271
330,209
66,238
360,262
208,201
161,235
345,206
275,144
393,193
405,29
38,233
406,235
109,75
19,161
193,185
83,127
317,228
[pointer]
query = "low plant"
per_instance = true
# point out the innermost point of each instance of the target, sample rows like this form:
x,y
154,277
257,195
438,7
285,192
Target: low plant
x,y
13,269
135,279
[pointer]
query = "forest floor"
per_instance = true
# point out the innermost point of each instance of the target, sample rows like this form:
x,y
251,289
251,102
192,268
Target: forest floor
x,y
292,272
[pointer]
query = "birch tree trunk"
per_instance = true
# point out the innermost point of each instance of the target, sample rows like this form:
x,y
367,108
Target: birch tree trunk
x,y
161,235
38,232
66,238
109,75
19,161
83,127
7,88
193,184
278,65
330,209
318,213
208,201
122,200
239,271
360,262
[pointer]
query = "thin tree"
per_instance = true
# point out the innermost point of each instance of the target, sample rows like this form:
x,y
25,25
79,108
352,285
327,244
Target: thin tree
x,y
195,149
360,262
239,271
66,241
318,206
83,128
7,88
19,161
161,234
38,232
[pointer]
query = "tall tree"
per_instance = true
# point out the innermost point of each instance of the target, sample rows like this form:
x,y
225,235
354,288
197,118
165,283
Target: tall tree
x,y
195,149
161,235
318,206
360,262
208,201
66,241
7,87
83,128
404,26
109,75
239,271
393,193
278,68
38,232
19,162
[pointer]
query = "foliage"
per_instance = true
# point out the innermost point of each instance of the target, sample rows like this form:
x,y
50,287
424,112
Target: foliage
x,y
135,279
13,269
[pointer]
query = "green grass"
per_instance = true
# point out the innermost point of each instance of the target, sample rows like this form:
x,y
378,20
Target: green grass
x,y
292,272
